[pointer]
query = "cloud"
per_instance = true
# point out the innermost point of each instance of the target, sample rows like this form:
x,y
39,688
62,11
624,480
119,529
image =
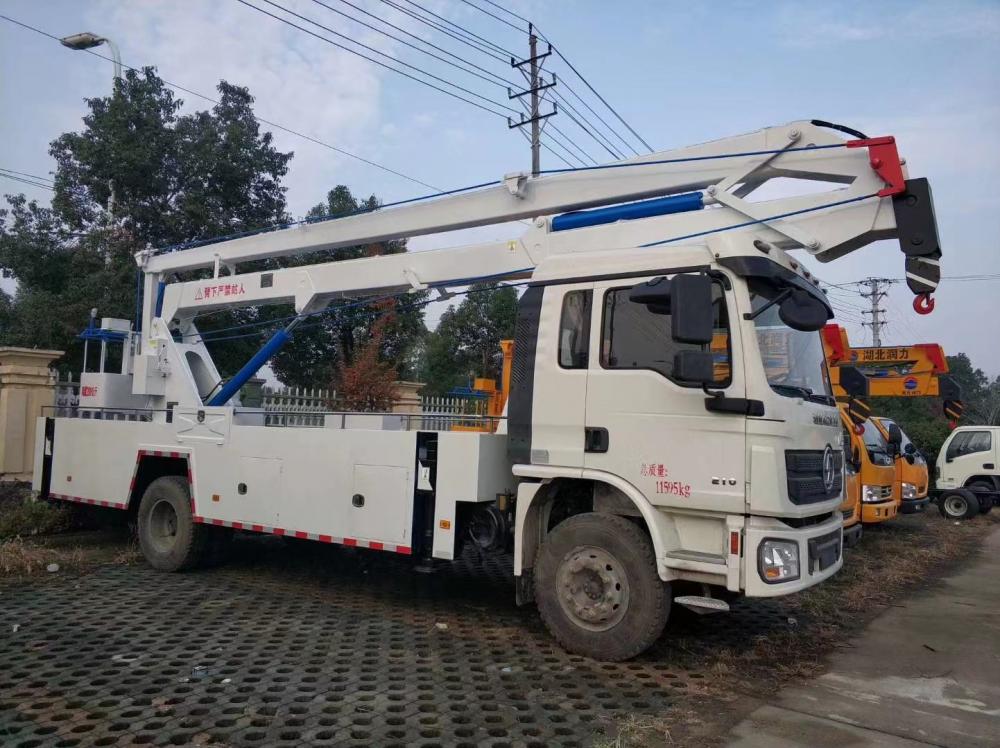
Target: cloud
x,y
814,25
297,80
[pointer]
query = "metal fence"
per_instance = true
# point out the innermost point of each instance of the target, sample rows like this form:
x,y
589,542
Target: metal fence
x,y
67,395
297,406
439,413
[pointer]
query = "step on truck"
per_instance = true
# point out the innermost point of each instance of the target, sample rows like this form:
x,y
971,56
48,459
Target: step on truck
x,y
629,471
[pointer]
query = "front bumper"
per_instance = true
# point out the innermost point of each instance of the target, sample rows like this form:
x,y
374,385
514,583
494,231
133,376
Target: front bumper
x,y
826,540
914,506
874,513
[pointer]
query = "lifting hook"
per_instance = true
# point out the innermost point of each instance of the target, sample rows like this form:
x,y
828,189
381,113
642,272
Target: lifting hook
x,y
923,303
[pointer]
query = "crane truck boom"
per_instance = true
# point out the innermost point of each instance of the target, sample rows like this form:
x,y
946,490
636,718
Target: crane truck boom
x,y
633,467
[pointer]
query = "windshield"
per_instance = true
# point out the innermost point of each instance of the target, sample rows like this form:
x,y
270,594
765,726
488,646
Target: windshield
x,y
875,443
793,360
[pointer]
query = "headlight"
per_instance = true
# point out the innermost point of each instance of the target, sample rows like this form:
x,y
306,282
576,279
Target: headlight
x,y
778,561
870,494
909,491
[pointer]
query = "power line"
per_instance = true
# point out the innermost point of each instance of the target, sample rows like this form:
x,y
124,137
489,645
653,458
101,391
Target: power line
x,y
379,62
26,174
267,122
443,30
568,87
26,181
461,28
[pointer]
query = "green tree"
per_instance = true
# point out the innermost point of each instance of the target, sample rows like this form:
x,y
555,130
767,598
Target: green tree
x,y
325,345
466,343
138,175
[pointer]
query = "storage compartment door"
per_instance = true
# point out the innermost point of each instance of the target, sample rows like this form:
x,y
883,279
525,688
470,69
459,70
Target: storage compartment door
x,y
382,504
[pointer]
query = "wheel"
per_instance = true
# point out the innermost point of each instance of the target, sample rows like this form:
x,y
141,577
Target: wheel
x,y
597,588
958,503
168,536
979,487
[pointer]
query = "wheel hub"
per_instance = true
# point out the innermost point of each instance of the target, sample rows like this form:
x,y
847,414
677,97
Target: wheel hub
x,y
955,506
593,588
163,526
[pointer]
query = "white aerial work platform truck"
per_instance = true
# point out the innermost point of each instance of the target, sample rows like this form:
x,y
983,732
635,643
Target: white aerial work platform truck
x,y
670,435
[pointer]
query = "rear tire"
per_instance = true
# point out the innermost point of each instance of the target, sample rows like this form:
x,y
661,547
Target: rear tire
x,y
168,535
981,487
958,503
597,587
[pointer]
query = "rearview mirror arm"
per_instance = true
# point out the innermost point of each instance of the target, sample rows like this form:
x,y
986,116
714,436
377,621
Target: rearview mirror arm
x,y
776,300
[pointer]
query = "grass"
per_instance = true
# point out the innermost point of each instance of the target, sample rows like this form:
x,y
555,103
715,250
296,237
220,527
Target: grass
x,y
34,534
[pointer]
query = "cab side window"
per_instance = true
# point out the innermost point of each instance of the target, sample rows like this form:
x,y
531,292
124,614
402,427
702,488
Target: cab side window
x,y
574,330
969,442
634,337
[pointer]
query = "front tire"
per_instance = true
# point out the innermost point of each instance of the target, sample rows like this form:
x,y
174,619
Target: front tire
x,y
168,535
958,503
597,587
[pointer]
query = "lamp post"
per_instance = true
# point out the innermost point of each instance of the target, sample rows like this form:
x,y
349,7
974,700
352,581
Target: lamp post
x,y
86,40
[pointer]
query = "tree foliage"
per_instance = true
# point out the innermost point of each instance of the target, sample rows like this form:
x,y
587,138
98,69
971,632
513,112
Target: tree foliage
x,y
138,175
368,382
466,343
330,341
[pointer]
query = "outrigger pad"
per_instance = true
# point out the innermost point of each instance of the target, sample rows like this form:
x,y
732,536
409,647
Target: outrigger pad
x,y
916,225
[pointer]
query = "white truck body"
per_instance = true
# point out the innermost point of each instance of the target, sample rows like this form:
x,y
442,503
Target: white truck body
x,y
708,486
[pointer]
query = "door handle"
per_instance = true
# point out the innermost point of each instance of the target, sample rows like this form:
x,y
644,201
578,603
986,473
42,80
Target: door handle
x,y
595,439
988,466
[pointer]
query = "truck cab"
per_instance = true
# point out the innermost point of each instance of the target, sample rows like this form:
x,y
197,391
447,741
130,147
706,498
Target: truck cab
x,y
969,459
912,478
873,462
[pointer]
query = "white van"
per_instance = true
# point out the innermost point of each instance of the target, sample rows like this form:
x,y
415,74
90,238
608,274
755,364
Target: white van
x,y
969,459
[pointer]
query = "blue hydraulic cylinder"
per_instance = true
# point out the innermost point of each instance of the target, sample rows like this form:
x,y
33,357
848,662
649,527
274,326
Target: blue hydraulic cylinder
x,y
659,206
251,367
161,287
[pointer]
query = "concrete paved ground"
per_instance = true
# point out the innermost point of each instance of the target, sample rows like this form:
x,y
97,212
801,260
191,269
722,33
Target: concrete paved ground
x,y
926,672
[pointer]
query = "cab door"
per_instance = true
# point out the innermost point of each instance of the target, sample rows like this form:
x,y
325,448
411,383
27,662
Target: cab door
x,y
969,453
650,429
549,380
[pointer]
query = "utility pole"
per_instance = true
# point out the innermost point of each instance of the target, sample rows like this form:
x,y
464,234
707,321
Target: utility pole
x,y
536,84
878,290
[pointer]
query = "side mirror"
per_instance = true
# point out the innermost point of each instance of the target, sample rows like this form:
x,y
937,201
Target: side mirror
x,y
910,449
802,311
856,458
895,435
694,366
691,316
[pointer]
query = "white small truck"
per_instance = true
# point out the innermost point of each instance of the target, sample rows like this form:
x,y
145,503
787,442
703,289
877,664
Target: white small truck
x,y
967,473
670,434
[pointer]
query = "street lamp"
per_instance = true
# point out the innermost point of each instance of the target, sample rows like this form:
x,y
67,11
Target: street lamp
x,y
87,40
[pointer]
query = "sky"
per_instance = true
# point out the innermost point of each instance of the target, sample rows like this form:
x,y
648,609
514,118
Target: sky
x,y
677,72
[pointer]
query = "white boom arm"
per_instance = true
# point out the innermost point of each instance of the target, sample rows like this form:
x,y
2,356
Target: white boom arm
x,y
826,224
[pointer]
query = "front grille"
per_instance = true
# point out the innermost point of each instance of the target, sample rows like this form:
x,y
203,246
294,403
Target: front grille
x,y
805,475
885,492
